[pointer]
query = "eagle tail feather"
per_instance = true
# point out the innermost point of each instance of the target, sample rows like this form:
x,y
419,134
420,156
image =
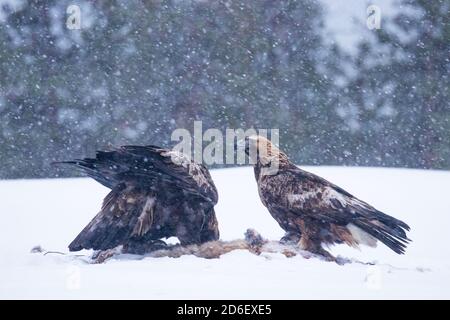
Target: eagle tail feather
x,y
386,229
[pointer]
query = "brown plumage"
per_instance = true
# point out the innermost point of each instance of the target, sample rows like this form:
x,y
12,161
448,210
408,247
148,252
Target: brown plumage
x,y
155,193
313,211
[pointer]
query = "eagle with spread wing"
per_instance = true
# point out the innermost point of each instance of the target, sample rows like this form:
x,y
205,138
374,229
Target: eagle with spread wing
x,y
313,211
155,193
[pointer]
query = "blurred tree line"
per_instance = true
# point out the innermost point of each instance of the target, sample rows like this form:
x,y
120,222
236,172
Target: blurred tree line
x,y
137,70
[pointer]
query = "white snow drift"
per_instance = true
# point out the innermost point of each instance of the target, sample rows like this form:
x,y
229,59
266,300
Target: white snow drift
x,y
50,213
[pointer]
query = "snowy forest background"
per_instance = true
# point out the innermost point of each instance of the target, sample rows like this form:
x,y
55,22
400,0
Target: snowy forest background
x,y
137,70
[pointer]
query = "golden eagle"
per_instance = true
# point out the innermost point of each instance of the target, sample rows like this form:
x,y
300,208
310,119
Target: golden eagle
x,y
155,193
314,211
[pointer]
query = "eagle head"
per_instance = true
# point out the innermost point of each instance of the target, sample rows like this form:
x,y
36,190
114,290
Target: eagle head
x,y
262,152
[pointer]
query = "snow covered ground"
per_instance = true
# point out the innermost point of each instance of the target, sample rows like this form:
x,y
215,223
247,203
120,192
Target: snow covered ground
x,y
51,213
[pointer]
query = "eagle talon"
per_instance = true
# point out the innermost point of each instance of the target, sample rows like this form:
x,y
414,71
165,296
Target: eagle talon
x,y
290,238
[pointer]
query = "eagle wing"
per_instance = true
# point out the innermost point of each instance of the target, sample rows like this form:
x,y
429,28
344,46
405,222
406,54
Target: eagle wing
x,y
136,175
126,212
146,166
323,201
